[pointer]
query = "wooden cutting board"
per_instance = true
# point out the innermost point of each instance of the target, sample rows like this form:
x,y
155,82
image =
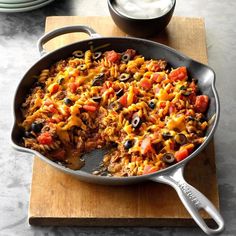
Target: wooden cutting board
x,y
59,199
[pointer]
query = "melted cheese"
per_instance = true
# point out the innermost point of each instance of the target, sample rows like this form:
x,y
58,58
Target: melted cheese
x,y
74,121
164,96
177,122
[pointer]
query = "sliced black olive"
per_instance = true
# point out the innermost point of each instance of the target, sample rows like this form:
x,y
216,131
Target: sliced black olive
x,y
190,118
97,55
36,127
97,98
116,106
99,76
104,173
125,57
29,134
128,144
40,84
78,54
60,81
120,93
113,144
68,101
98,80
157,146
181,139
136,122
168,67
167,135
152,104
203,118
82,67
124,77
168,158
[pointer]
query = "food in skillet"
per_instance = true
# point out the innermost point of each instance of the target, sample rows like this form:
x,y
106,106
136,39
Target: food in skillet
x,y
151,116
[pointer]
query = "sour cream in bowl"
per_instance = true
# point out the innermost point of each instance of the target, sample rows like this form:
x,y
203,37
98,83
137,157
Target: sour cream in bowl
x,y
141,18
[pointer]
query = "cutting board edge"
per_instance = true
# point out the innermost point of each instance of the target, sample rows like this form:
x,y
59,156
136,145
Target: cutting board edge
x,y
117,222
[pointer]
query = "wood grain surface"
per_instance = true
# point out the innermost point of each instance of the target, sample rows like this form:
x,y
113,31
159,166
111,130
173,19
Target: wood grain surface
x,y
60,199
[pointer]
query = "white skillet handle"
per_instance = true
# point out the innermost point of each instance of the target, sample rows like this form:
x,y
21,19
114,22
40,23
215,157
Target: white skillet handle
x,y
64,30
192,199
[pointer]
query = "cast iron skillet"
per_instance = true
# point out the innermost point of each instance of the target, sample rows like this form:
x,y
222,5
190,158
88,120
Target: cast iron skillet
x,y
192,199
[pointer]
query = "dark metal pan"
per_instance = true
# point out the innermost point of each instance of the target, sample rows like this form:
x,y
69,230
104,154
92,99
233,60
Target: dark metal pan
x,y
192,199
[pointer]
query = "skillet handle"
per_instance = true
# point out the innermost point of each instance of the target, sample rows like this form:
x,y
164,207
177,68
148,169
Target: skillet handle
x,y
192,199
64,30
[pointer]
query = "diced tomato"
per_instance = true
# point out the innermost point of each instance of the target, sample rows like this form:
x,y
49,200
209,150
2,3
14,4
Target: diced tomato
x,y
149,169
189,147
155,67
45,138
157,78
146,146
73,86
172,145
90,108
181,155
123,100
162,104
136,91
192,98
146,83
178,74
55,88
201,103
112,56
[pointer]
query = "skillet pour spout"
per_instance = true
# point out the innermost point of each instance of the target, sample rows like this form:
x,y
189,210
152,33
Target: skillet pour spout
x,y
192,199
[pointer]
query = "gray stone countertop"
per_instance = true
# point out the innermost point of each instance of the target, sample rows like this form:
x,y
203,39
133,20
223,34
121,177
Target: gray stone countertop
x,y
18,36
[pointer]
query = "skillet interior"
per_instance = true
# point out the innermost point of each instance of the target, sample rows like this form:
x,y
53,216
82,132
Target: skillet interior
x,y
205,76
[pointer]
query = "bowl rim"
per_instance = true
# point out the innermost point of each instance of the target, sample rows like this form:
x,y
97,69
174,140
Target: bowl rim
x,y
126,17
